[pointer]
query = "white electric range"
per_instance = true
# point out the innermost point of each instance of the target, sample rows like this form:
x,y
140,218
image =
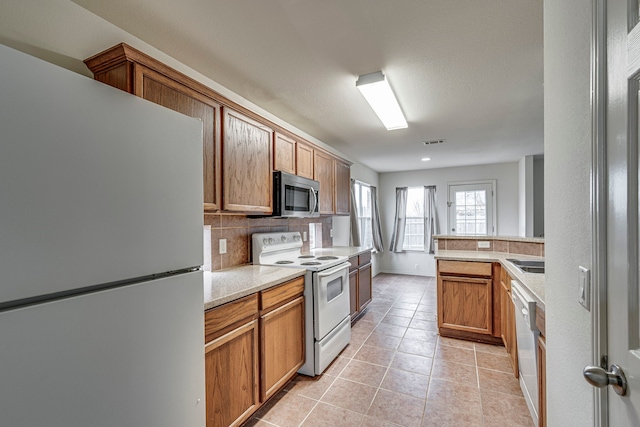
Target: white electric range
x,y
326,293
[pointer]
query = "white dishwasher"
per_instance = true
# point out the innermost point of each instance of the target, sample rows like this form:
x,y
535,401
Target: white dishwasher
x,y
527,336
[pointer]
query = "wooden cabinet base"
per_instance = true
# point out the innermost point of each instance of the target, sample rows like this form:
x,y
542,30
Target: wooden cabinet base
x,y
469,336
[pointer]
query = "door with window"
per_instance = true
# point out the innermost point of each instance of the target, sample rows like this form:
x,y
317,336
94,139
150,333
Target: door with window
x,y
471,208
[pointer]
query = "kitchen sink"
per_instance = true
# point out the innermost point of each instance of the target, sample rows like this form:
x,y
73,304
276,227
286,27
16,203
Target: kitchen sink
x,y
528,265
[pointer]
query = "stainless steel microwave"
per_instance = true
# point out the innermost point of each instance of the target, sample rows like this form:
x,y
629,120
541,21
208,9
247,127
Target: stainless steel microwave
x,y
295,196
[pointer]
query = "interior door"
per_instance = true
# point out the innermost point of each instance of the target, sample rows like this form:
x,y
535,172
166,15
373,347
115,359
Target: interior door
x,y
621,312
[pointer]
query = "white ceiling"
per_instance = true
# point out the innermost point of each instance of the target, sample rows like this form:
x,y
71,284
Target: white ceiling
x,y
468,71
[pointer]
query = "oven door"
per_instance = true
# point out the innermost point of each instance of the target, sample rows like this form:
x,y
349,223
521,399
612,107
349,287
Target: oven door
x,y
330,299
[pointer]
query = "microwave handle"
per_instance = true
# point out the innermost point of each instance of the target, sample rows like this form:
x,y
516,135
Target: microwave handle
x,y
315,201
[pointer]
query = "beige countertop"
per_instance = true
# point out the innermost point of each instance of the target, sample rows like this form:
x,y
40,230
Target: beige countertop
x,y
223,286
532,281
341,251
509,238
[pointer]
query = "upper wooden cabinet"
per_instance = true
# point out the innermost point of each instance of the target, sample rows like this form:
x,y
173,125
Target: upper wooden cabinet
x,y
304,160
246,164
132,71
240,148
284,153
342,188
324,173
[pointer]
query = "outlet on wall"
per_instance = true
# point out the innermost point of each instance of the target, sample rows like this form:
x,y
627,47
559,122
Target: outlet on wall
x,y
483,244
304,236
331,232
223,246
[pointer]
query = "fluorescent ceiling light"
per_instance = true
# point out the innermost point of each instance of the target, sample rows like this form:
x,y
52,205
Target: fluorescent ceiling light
x,y
426,159
376,90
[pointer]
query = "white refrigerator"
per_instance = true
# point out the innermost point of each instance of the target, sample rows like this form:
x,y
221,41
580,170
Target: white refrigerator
x,y
101,297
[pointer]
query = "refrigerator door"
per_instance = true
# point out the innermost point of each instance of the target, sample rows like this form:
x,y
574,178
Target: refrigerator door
x,y
129,357
96,185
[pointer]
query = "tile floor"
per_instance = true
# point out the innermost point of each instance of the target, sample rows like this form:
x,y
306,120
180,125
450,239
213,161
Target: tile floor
x,y
397,371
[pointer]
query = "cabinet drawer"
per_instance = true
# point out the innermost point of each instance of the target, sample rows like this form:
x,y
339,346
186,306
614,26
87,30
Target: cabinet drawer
x,y
274,297
364,258
465,268
220,318
354,263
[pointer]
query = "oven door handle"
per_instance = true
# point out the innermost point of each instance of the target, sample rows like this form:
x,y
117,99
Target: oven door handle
x,y
334,270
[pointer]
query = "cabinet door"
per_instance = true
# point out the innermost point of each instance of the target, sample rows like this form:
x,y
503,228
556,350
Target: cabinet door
x,y
231,368
465,304
157,88
364,286
353,292
342,188
284,154
505,302
304,160
542,382
324,173
282,346
246,164
511,341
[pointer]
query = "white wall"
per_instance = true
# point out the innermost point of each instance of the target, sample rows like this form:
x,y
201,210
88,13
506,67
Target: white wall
x,y
567,147
538,196
506,175
525,196
63,33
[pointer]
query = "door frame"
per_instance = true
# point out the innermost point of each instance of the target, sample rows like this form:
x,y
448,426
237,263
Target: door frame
x,y
599,196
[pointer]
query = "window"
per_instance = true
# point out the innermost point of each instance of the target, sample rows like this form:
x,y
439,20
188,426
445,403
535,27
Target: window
x,y
414,229
471,207
363,211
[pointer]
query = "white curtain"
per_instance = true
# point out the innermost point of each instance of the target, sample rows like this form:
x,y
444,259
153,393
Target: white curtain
x,y
397,238
431,226
353,216
376,232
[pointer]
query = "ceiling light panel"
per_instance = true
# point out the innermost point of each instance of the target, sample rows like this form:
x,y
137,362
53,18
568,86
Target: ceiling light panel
x,y
376,90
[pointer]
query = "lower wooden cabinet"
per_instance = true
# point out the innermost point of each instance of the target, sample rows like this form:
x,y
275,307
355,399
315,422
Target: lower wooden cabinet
x,y
465,298
231,365
542,368
353,291
508,321
364,286
281,345
360,283
253,347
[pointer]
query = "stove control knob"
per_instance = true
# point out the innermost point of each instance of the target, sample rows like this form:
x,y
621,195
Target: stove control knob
x,y
296,238
271,241
283,239
265,241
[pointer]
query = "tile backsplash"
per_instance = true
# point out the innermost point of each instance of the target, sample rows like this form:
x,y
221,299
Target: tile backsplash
x,y
238,229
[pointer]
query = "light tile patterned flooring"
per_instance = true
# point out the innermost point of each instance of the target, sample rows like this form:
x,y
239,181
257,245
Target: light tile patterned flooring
x,y
398,371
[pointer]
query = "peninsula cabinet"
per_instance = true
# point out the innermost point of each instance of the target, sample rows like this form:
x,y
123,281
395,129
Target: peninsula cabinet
x,y
324,173
465,300
246,164
134,72
542,368
508,321
253,347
